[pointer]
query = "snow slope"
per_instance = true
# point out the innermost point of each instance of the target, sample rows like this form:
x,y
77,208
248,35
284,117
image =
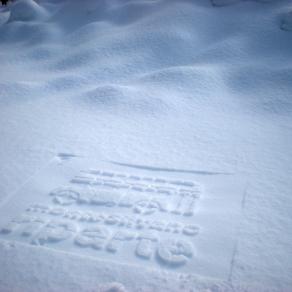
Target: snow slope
x,y
167,91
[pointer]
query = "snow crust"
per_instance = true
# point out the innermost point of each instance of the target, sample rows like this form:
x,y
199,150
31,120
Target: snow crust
x,y
164,93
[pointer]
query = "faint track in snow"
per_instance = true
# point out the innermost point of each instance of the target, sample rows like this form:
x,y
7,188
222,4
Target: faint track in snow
x,y
154,168
235,248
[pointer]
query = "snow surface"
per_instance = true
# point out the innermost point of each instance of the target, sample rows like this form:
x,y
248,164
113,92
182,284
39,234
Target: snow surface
x,y
287,21
154,112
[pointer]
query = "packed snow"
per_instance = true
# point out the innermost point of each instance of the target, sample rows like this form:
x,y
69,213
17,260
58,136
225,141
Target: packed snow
x,y
146,145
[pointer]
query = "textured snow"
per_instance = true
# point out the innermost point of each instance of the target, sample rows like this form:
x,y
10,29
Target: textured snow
x,y
188,90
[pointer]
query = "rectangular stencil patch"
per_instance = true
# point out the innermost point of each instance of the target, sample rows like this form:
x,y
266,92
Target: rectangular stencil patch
x,y
174,221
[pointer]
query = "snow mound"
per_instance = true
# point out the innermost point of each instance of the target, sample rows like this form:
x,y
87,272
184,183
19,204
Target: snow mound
x,y
75,61
73,15
112,287
27,10
287,21
30,32
119,98
106,94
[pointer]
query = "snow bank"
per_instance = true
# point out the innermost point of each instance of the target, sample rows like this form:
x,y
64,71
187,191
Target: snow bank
x,y
26,10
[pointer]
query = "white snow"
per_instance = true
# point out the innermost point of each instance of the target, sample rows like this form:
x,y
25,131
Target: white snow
x,y
145,145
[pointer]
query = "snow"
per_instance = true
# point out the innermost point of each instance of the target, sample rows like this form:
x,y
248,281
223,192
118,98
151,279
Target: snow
x,y
26,10
228,2
145,145
287,21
